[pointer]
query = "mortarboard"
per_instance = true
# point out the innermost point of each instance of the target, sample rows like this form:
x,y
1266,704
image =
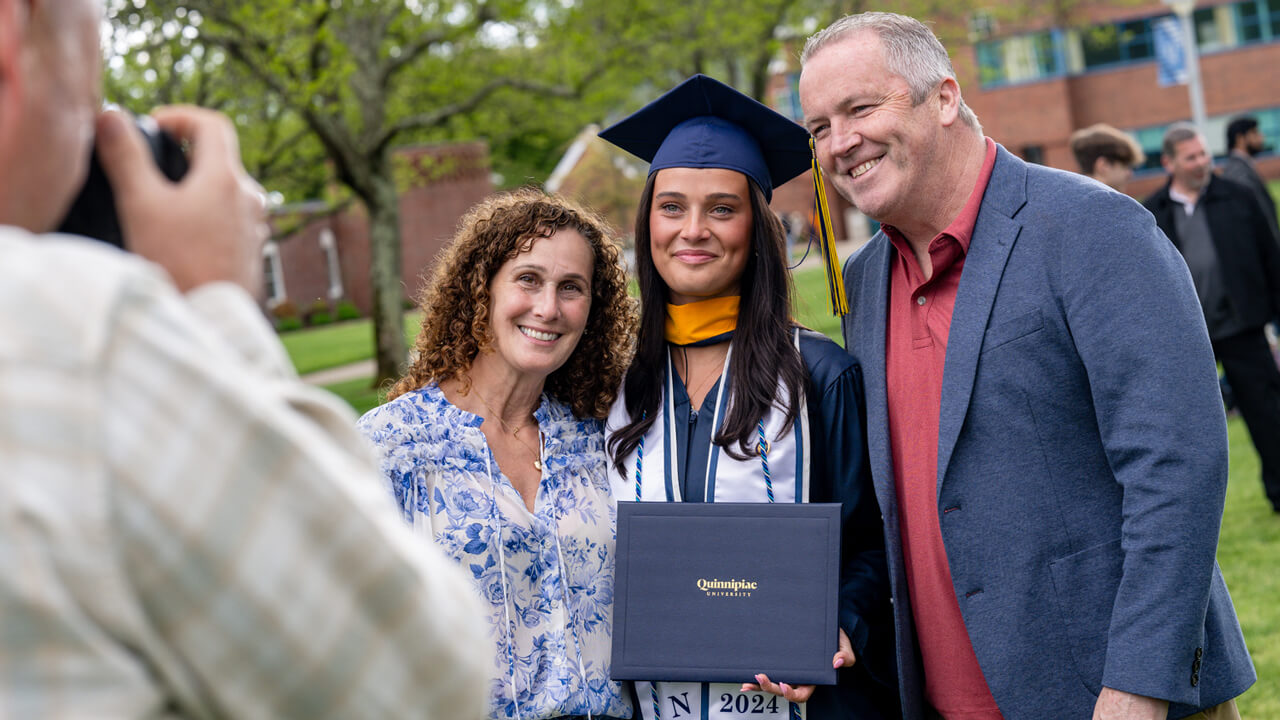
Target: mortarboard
x,y
703,123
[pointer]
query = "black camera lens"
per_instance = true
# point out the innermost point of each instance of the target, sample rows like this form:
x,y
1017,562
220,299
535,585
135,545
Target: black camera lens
x,y
93,214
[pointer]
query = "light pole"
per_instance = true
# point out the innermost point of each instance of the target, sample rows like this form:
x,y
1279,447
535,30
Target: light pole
x,y
1183,8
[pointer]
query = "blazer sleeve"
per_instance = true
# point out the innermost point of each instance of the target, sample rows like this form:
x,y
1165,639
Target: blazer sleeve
x,y
1137,325
841,474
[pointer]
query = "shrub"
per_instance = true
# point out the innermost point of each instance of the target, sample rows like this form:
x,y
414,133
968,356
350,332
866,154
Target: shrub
x,y
288,323
347,310
284,309
318,313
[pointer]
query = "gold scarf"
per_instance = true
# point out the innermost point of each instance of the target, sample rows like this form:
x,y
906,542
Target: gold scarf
x,y
702,320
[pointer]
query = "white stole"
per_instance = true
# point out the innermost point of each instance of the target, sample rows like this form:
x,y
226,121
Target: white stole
x,y
728,480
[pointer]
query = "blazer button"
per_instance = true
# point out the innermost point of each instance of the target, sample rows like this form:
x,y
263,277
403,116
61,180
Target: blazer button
x,y
1195,679
1199,653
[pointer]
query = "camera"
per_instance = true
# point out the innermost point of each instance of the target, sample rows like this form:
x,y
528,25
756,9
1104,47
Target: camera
x,y
93,214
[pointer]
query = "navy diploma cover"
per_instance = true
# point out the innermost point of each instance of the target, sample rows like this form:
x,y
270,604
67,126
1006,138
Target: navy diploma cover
x,y
717,592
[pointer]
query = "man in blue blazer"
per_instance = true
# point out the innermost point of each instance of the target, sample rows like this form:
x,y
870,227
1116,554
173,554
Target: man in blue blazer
x,y
1046,433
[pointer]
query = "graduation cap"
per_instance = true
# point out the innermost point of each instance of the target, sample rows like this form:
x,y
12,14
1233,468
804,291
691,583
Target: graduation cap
x,y
703,123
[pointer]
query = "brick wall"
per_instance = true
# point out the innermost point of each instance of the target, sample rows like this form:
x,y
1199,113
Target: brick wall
x,y
441,182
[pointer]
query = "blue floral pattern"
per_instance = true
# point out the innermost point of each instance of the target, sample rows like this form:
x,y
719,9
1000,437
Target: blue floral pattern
x,y
550,623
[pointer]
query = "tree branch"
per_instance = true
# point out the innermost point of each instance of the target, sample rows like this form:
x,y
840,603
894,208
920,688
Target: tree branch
x,y
426,41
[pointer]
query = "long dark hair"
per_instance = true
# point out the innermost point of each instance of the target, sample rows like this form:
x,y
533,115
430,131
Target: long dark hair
x,y
763,350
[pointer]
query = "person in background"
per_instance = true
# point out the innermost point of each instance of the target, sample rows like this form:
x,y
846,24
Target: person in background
x,y
493,446
186,529
1244,142
1106,154
1045,428
1234,257
728,389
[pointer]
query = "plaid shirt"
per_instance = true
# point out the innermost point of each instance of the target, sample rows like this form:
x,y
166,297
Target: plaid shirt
x,y
187,531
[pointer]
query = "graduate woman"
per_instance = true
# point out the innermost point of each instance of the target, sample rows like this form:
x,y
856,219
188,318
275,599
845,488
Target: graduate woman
x,y
494,447
725,383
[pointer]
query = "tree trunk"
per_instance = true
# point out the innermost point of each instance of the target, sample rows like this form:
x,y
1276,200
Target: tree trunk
x,y
384,275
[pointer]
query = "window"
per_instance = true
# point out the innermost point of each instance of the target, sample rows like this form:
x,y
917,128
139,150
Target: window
x,y
982,25
330,249
1269,124
787,99
1211,33
1033,154
1115,43
273,274
1249,22
1020,58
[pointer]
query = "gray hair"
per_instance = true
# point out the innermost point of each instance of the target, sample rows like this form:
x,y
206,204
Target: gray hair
x,y
911,51
1177,132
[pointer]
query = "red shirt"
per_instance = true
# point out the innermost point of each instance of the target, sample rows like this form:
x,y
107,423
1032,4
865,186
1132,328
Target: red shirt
x,y
919,321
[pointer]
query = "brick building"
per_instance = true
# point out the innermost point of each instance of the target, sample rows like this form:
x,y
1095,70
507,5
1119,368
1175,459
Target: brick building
x,y
324,255
1033,82
1034,75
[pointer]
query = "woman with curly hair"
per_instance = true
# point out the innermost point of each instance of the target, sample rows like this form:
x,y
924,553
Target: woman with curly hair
x,y
493,442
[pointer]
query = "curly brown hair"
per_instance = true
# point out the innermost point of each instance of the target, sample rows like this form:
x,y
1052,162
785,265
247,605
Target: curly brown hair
x,y
455,303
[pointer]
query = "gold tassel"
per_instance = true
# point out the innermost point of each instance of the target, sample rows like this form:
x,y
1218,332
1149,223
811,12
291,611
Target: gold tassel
x,y
839,303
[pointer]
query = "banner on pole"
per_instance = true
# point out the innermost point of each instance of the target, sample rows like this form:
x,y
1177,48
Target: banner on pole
x,y
1171,56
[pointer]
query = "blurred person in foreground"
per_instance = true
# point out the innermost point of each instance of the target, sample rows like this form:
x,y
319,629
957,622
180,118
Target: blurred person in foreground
x,y
493,444
1234,257
1245,141
1045,428
1106,154
186,530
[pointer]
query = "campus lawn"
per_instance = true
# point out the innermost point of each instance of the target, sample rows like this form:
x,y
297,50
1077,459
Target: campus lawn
x,y
328,346
1248,551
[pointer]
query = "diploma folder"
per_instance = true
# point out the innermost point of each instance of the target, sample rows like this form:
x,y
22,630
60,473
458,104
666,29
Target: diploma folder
x,y
717,592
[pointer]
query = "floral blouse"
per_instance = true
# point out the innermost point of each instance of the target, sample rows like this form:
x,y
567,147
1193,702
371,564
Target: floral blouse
x,y
547,576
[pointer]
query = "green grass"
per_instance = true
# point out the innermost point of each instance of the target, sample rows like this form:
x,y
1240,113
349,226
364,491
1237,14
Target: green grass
x,y
811,305
1248,549
330,346
360,394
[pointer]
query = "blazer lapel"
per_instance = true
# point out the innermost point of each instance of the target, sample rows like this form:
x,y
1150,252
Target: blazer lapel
x,y
866,341
994,235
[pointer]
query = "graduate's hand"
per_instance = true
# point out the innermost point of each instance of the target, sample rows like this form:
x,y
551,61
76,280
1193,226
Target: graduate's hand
x,y
844,657
794,693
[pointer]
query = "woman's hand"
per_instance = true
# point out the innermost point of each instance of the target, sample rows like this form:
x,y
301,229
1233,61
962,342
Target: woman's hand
x,y
844,657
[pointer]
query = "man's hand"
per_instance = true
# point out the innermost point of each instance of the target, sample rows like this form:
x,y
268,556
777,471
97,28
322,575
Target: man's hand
x,y
1119,705
208,227
844,657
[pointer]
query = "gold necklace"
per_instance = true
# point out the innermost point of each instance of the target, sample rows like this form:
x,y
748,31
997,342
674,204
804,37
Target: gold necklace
x,y
537,456
498,416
